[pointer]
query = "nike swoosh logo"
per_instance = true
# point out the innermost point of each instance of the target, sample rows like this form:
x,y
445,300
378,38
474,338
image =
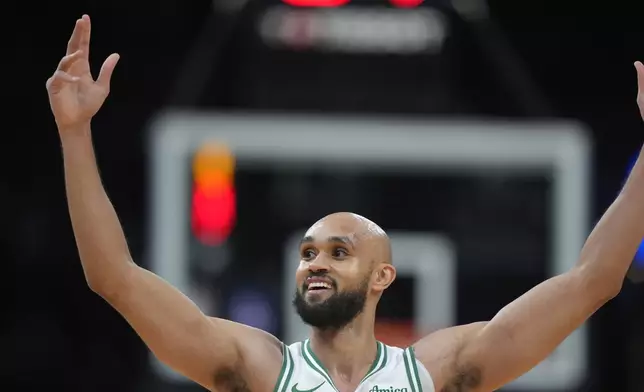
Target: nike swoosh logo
x,y
294,389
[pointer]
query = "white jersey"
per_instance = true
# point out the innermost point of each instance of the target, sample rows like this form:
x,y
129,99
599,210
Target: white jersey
x,y
394,370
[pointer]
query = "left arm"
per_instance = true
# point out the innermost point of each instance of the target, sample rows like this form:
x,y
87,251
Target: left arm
x,y
490,355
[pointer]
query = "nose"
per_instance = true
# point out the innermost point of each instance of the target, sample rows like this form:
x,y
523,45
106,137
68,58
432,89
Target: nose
x,y
319,264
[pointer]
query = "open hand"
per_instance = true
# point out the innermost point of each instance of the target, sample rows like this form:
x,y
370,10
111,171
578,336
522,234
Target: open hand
x,y
74,96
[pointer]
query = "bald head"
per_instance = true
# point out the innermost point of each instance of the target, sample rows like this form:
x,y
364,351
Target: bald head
x,y
360,231
345,267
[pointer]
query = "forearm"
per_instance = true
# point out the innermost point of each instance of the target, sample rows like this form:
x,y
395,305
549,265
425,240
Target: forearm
x,y
99,237
609,250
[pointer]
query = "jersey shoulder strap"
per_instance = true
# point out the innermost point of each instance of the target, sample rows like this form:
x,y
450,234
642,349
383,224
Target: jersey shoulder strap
x,y
286,373
419,378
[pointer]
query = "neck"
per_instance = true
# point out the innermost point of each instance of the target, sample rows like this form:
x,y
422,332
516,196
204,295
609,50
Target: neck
x,y
347,353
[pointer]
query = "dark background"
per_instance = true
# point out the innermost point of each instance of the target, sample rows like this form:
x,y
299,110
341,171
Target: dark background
x,y
529,60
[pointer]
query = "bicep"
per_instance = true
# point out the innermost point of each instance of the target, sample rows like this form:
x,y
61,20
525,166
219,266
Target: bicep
x,y
173,327
526,331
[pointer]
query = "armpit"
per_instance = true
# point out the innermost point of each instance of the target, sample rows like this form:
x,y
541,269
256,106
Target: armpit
x,y
466,378
230,380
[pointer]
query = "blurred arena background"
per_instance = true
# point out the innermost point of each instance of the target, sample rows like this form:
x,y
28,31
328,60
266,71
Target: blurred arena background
x,y
486,136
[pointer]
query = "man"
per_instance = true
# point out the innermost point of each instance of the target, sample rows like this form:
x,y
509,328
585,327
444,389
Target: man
x,y
345,267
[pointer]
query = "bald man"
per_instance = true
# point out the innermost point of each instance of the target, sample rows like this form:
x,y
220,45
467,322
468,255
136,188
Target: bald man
x,y
345,267
319,299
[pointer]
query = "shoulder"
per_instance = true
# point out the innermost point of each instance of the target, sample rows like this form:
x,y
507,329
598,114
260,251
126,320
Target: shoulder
x,y
439,353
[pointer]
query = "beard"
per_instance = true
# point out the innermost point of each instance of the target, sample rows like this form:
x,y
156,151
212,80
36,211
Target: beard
x,y
335,312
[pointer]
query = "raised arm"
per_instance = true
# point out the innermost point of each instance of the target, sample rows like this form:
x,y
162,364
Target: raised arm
x,y
486,356
175,330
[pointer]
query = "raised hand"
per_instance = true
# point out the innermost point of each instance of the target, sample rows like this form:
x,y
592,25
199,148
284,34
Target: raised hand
x,y
74,96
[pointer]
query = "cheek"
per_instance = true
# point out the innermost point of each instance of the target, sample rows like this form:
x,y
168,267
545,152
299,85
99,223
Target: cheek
x,y
300,274
351,274
354,268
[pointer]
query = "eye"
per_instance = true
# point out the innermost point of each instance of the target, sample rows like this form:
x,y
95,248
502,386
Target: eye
x,y
308,254
339,252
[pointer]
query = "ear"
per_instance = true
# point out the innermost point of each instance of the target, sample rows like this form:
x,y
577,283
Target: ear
x,y
384,276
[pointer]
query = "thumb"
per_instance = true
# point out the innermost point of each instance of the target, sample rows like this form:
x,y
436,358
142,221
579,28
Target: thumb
x,y
107,69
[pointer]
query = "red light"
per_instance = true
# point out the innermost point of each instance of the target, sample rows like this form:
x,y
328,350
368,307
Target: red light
x,y
406,3
316,3
213,198
213,214
339,3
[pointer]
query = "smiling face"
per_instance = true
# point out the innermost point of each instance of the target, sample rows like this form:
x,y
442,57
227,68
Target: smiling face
x,y
345,263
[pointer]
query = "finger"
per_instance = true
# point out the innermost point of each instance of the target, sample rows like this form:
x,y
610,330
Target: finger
x,y
85,36
67,61
639,67
74,41
60,79
107,69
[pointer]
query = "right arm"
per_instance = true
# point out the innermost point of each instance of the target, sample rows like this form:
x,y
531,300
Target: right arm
x,y
171,325
206,350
